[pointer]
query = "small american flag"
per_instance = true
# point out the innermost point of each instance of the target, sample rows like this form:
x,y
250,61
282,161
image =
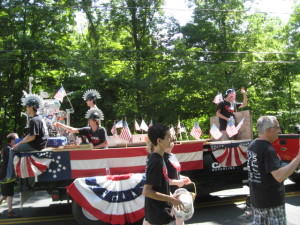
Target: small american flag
x,y
136,126
113,130
215,132
183,129
119,124
125,132
172,132
178,126
60,94
196,131
144,126
150,124
231,129
240,124
218,98
179,129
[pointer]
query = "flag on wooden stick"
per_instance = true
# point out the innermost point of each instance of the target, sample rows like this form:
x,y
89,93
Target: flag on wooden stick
x,y
172,132
144,126
218,98
215,132
150,124
60,94
179,129
136,126
196,131
240,124
231,129
113,130
119,124
125,132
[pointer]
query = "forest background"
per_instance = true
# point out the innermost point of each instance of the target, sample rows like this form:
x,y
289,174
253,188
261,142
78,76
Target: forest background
x,y
146,65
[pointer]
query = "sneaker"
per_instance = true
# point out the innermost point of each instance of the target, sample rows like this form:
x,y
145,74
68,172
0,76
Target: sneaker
x,y
12,214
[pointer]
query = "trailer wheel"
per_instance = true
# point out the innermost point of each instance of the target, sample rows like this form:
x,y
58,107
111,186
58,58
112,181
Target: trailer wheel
x,y
82,217
295,177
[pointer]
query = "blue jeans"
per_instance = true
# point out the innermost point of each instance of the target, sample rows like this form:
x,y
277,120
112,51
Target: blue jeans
x,y
10,173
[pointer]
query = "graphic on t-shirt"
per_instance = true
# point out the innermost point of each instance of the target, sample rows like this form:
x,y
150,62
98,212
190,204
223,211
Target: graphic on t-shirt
x,y
165,173
94,140
174,161
254,175
229,109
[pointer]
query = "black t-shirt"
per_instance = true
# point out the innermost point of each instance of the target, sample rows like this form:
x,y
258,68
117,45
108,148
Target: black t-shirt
x,y
227,111
5,156
97,137
36,128
157,212
265,191
173,172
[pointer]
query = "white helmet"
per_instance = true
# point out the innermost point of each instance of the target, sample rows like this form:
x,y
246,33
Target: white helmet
x,y
187,200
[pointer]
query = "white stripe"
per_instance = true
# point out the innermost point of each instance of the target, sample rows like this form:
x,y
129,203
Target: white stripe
x,y
112,163
44,161
108,207
218,152
24,167
191,156
242,158
232,162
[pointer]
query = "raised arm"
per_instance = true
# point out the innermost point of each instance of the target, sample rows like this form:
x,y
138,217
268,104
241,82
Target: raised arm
x,y
245,100
67,128
284,172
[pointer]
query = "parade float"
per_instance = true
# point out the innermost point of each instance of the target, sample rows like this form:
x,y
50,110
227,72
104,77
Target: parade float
x,y
106,184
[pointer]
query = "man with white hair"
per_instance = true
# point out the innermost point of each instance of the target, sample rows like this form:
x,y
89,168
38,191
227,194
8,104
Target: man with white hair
x,y
266,174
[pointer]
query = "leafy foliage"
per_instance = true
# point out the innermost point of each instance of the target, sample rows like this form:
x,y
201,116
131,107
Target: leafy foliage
x,y
145,65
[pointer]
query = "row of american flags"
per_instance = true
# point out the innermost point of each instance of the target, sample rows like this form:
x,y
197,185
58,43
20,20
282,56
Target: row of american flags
x,y
126,134
231,129
195,132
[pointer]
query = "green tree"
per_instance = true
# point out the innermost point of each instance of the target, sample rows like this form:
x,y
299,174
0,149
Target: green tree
x,y
34,34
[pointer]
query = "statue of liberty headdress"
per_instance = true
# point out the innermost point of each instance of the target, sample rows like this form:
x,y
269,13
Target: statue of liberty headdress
x,y
91,94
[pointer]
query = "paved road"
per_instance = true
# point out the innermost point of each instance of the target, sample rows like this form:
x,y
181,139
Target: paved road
x,y
220,208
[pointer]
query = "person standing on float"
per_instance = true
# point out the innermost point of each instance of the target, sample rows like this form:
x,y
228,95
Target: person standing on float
x,y
226,109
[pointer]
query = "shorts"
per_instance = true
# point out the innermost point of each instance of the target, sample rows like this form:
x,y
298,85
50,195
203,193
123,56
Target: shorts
x,y
8,189
269,216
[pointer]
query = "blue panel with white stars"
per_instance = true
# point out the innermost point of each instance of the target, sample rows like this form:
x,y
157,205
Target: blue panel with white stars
x,y
59,168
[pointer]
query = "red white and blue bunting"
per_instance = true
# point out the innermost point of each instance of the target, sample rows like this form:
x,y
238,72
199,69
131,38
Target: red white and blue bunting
x,y
114,199
231,154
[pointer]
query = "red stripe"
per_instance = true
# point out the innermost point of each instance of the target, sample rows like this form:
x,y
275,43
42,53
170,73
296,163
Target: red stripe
x,y
192,165
237,156
243,153
222,157
29,169
113,219
18,167
228,161
119,177
102,172
183,148
41,167
108,153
